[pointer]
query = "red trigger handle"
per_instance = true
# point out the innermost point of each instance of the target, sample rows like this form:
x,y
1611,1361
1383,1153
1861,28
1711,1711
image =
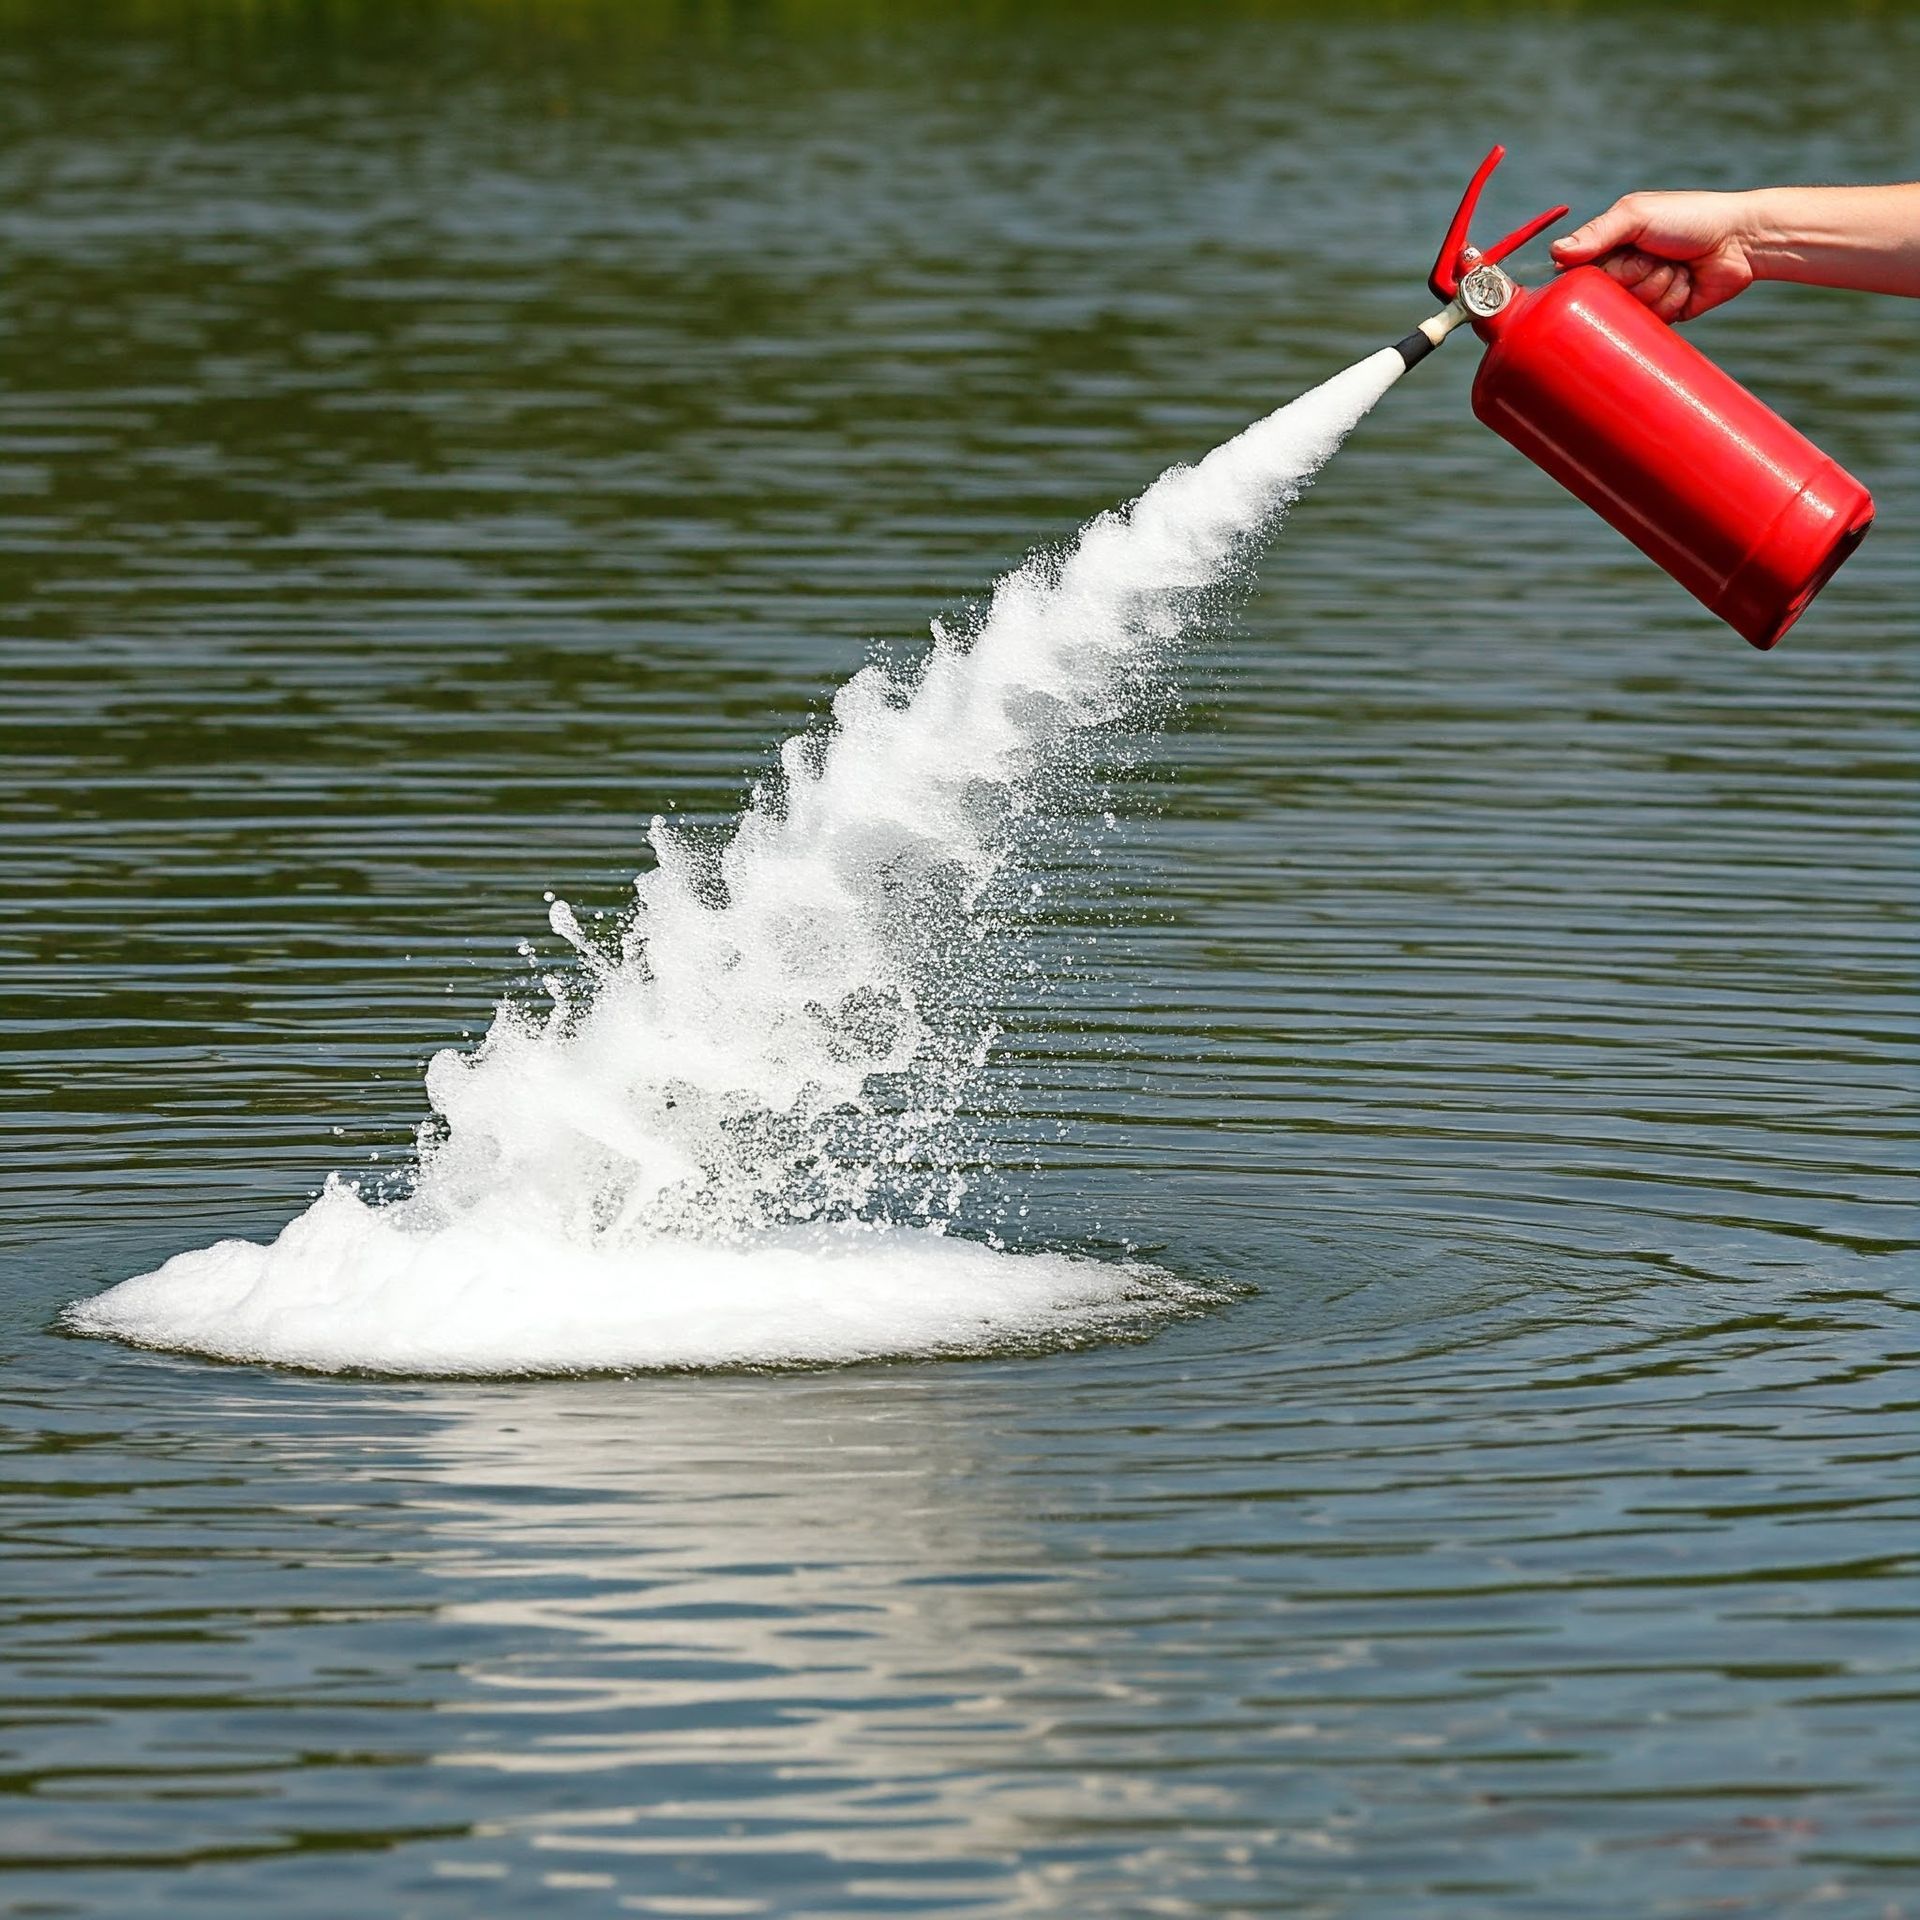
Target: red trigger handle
x,y
1445,279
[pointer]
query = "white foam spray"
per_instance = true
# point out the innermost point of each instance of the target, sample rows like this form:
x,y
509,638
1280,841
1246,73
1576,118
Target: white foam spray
x,y
731,1137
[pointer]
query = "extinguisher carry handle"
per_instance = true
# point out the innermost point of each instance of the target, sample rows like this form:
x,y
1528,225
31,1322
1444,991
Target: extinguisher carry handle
x,y
1445,279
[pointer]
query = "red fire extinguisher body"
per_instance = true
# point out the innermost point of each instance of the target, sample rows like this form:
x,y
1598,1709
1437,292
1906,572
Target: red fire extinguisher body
x,y
1743,510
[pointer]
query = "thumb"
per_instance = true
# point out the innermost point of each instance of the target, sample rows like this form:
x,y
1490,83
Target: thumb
x,y
1600,235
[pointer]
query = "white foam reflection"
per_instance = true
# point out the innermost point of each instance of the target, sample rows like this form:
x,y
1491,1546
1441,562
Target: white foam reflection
x,y
786,1628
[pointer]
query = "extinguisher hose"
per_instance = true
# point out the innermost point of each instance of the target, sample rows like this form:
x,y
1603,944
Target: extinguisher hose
x,y
1429,333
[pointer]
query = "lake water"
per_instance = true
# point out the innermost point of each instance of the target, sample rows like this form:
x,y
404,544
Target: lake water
x,y
433,441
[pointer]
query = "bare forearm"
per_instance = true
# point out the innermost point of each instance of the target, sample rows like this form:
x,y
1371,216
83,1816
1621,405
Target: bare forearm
x,y
1866,237
1683,254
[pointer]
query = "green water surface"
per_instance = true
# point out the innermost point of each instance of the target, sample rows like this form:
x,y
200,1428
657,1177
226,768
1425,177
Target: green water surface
x,y
434,440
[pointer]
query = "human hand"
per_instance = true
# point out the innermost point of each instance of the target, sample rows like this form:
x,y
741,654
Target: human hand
x,y
1679,253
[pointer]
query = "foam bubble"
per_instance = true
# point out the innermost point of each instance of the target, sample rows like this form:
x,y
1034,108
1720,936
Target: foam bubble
x,y
738,1134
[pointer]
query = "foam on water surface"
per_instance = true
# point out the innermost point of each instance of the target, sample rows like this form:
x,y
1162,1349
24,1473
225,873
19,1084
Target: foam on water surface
x,y
739,1132
348,1286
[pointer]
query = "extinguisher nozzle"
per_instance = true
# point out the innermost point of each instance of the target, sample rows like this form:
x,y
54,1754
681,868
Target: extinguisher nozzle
x,y
1430,332
1414,347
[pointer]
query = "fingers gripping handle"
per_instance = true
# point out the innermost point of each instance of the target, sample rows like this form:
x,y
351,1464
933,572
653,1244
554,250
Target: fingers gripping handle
x,y
1445,280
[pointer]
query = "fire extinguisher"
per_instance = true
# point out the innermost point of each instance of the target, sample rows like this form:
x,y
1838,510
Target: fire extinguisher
x,y
1741,508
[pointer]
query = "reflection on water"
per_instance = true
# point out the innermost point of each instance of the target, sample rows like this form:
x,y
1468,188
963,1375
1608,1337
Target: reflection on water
x,y
813,1626
1479,1567
431,442
918,1640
